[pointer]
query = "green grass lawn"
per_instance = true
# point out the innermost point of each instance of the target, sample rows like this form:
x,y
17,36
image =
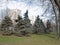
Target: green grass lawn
x,y
46,39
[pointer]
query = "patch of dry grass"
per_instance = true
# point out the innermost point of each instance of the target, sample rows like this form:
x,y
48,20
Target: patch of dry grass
x,y
33,40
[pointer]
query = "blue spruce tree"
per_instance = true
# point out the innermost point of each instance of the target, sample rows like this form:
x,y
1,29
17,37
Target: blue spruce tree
x,y
38,26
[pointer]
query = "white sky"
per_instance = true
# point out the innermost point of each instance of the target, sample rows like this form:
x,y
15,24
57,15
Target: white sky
x,y
34,10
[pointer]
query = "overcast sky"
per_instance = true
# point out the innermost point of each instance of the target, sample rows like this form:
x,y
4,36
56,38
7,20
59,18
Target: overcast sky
x,y
33,6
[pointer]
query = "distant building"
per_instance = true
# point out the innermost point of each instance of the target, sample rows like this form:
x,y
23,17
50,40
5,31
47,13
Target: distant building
x,y
14,14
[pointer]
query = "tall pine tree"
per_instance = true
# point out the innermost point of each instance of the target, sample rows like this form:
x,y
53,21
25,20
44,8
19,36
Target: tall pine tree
x,y
39,26
27,22
22,27
6,26
19,26
48,26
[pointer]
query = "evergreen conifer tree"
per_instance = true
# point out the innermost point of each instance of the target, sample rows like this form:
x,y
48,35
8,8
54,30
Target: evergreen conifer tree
x,y
19,26
39,26
6,26
48,24
27,22
23,26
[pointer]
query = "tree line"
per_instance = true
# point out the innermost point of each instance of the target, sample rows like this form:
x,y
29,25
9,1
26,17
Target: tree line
x,y
23,26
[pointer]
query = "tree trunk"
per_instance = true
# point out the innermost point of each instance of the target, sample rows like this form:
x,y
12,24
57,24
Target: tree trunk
x,y
57,3
59,23
56,18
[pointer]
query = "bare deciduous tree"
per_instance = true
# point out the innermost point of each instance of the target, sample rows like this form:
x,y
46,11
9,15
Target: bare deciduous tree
x,y
56,2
